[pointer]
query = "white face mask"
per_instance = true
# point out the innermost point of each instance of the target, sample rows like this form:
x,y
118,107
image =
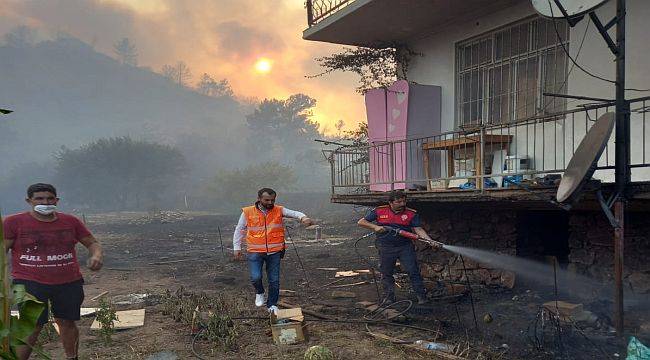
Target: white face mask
x,y
45,209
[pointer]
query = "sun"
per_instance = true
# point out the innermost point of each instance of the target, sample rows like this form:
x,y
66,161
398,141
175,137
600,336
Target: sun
x,y
263,65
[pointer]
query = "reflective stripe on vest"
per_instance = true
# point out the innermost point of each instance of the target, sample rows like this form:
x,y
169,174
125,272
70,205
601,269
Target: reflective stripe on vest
x,y
264,232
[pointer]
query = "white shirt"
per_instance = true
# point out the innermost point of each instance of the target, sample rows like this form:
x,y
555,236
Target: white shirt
x,y
240,230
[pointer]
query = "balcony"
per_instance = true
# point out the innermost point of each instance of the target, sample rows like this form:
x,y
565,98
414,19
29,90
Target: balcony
x,y
513,162
380,22
318,10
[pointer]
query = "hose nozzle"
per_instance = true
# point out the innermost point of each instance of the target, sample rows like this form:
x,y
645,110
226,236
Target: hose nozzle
x,y
435,244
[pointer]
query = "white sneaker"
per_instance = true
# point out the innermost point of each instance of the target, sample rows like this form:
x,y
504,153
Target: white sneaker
x,y
273,309
259,299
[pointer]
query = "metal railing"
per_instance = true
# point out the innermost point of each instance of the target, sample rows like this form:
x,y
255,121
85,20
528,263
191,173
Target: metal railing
x,y
318,10
534,151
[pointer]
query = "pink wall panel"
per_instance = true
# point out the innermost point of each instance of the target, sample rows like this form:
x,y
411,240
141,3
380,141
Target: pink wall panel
x,y
376,113
396,122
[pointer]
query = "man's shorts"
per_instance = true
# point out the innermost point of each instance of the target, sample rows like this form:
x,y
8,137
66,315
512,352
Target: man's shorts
x,y
65,299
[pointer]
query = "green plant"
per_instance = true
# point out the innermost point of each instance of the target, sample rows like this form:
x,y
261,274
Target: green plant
x,y
377,66
106,318
14,330
214,315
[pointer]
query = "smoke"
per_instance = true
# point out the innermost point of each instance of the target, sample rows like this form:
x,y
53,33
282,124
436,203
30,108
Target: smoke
x,y
222,38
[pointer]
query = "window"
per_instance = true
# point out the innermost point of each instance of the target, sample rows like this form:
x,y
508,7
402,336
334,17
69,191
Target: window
x,y
501,76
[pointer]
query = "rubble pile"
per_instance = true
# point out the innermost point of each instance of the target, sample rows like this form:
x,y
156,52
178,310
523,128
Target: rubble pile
x,y
162,217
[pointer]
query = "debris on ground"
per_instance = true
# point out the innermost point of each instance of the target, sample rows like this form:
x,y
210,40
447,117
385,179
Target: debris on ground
x,y
346,273
127,319
337,294
353,284
284,292
563,308
636,350
163,355
288,326
129,299
162,217
318,352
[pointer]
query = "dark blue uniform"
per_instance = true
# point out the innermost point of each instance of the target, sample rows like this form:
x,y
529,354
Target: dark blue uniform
x,y
393,247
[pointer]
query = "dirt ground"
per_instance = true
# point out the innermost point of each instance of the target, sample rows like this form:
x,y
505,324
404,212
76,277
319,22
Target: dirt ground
x,y
132,241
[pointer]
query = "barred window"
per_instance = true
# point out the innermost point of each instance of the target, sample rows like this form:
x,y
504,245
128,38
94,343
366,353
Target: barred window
x,y
501,75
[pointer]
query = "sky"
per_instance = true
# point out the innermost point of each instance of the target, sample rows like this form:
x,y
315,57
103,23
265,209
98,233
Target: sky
x,y
256,45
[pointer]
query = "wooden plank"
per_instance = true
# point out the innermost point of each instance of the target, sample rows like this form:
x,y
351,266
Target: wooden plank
x,y
169,262
127,319
450,143
98,296
294,314
336,294
305,311
346,273
353,284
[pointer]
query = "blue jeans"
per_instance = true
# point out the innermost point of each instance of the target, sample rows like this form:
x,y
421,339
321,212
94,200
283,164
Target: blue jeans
x,y
388,255
255,263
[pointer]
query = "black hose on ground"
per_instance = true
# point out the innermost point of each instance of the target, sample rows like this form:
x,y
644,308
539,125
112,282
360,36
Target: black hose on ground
x,y
295,248
370,266
471,292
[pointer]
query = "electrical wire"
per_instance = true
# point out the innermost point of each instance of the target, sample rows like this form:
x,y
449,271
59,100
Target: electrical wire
x,y
193,345
557,33
471,292
295,248
375,314
371,267
566,79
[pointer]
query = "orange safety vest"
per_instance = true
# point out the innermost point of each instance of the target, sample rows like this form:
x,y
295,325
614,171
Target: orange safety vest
x,y
264,233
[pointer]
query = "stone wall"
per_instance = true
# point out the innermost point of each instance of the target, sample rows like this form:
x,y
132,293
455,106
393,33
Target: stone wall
x,y
488,230
590,243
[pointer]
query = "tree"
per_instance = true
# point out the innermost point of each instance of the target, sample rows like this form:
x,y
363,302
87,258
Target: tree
x,y
358,136
284,126
20,36
126,52
238,187
376,66
339,126
208,86
283,131
179,73
119,173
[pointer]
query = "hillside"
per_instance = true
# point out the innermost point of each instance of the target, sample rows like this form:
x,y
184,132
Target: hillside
x,y
64,93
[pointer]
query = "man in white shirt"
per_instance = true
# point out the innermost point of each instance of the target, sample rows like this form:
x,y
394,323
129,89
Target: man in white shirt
x,y
262,226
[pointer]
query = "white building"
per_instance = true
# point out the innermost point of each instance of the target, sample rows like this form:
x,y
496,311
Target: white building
x,y
494,60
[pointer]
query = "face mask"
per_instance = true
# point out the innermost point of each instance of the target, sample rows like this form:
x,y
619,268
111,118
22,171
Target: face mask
x,y
45,209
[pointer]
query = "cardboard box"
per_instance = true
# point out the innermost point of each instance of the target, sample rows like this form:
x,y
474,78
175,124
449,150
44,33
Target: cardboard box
x,y
438,184
288,326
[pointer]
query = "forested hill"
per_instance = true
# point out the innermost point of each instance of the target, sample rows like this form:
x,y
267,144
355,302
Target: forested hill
x,y
64,93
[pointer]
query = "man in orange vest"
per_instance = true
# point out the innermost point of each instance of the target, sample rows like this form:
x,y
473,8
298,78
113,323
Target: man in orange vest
x,y
261,224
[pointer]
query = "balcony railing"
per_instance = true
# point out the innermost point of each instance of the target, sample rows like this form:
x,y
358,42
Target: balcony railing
x,y
533,152
318,10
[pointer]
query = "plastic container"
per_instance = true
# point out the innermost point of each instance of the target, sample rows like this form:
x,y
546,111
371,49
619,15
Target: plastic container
x,y
429,345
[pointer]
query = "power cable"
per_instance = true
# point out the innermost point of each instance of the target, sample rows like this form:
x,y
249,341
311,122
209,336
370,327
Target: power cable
x,y
371,267
375,314
295,248
471,292
566,79
557,33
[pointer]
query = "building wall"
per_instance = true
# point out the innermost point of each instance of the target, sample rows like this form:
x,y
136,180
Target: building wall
x,y
437,67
